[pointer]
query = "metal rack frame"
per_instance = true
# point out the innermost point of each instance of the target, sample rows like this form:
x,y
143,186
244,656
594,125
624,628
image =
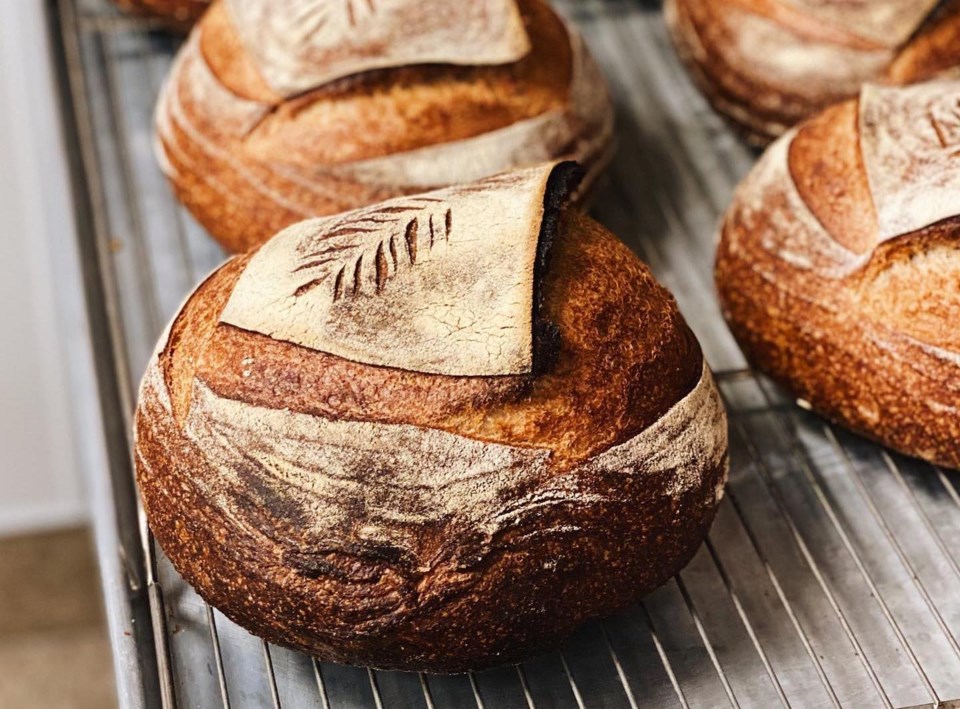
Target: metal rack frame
x,y
828,578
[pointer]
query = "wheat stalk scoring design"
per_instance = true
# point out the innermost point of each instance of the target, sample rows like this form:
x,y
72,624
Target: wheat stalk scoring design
x,y
386,240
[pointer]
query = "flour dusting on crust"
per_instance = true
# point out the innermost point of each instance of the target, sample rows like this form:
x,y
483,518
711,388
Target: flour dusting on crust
x,y
363,485
440,283
201,126
910,140
583,129
794,235
793,63
694,429
299,45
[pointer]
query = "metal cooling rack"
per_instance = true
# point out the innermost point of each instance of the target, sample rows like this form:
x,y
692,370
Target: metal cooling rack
x,y
831,575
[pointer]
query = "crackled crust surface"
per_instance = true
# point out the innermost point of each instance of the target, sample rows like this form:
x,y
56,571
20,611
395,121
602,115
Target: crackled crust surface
x,y
768,64
181,14
248,158
843,282
423,521
320,283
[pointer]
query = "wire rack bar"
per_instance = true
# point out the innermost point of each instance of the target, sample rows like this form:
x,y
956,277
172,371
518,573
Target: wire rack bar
x,y
904,558
218,656
321,688
942,643
664,659
894,467
707,644
828,579
268,665
808,469
811,562
754,638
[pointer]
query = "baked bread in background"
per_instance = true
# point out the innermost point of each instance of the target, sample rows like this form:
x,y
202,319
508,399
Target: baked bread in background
x,y
434,434
280,110
839,266
768,64
179,14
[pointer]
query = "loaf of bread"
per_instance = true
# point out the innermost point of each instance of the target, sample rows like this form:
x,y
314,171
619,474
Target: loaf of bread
x,y
768,64
433,434
179,14
839,266
281,110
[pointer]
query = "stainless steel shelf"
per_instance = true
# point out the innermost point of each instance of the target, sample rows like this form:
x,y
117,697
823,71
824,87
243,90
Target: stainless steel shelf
x,y
829,579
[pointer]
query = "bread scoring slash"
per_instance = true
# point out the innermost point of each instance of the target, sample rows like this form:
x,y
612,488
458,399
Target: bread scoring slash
x,y
552,450
276,111
839,266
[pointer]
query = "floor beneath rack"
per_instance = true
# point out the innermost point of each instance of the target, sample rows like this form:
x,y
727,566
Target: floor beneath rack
x,y
54,650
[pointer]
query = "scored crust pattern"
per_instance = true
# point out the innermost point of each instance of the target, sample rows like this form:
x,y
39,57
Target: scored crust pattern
x,y
319,471
910,142
888,23
851,330
910,139
769,64
216,117
202,127
441,282
392,539
299,45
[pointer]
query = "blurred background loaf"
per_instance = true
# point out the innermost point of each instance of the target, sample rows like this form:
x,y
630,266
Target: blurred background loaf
x,y
767,64
178,14
261,124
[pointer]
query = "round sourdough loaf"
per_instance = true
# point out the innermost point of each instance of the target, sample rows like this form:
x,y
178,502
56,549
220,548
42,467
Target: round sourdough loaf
x,y
179,14
280,110
768,64
435,434
839,266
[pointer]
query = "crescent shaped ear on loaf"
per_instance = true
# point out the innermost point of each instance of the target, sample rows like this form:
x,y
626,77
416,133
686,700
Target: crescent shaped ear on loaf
x,y
441,283
839,266
277,111
434,434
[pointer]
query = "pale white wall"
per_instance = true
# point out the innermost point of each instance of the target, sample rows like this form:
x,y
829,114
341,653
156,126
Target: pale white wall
x,y
40,482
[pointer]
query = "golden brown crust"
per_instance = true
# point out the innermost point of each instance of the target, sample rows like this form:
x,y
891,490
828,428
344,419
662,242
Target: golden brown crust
x,y
341,607
180,14
922,271
733,49
357,140
229,61
248,366
454,523
933,52
192,331
860,326
585,404
827,166
768,64
395,110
